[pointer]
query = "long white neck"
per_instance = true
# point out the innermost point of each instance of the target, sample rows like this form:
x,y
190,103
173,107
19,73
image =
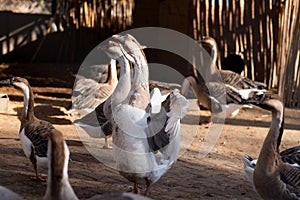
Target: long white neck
x,y
142,70
113,77
28,103
124,84
214,56
26,97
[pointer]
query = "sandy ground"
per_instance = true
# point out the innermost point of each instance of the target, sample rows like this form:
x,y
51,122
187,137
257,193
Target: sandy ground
x,y
219,175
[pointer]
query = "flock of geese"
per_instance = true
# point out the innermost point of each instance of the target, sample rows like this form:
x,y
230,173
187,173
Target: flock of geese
x,y
143,120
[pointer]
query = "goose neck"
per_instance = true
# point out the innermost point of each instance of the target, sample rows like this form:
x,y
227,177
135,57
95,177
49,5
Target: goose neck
x,y
141,74
113,77
58,185
274,135
123,87
28,104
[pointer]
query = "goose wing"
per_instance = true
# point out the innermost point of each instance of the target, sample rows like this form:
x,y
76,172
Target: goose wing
x,y
291,156
164,127
291,177
95,118
38,133
238,81
90,94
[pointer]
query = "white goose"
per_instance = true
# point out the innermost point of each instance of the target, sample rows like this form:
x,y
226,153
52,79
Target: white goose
x,y
272,178
143,126
33,131
236,88
98,123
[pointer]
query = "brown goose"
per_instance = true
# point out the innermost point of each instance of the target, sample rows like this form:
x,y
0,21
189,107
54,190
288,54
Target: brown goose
x,y
58,186
289,156
272,178
216,96
229,77
144,125
33,131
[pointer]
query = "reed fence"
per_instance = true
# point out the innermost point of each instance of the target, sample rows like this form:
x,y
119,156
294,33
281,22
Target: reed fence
x,y
264,32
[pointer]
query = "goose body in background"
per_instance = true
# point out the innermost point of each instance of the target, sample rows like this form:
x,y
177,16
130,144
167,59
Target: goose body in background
x,y
230,95
272,178
229,77
98,123
88,93
99,73
143,125
33,131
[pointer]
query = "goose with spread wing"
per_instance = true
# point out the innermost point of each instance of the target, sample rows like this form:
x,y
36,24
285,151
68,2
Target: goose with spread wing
x,y
33,131
143,126
276,176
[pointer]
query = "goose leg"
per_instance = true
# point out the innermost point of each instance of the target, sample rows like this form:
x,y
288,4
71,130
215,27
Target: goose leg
x,y
106,144
34,161
135,188
148,183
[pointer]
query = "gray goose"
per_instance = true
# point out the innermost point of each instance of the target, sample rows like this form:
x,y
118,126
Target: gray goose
x,y
88,94
216,96
98,123
33,131
272,178
144,125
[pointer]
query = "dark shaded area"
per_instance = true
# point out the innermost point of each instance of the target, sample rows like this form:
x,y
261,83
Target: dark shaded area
x,y
233,62
167,58
43,75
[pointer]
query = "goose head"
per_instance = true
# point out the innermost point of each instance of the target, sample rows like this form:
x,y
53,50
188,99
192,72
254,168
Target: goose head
x,y
209,44
16,82
268,101
272,104
133,48
112,50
